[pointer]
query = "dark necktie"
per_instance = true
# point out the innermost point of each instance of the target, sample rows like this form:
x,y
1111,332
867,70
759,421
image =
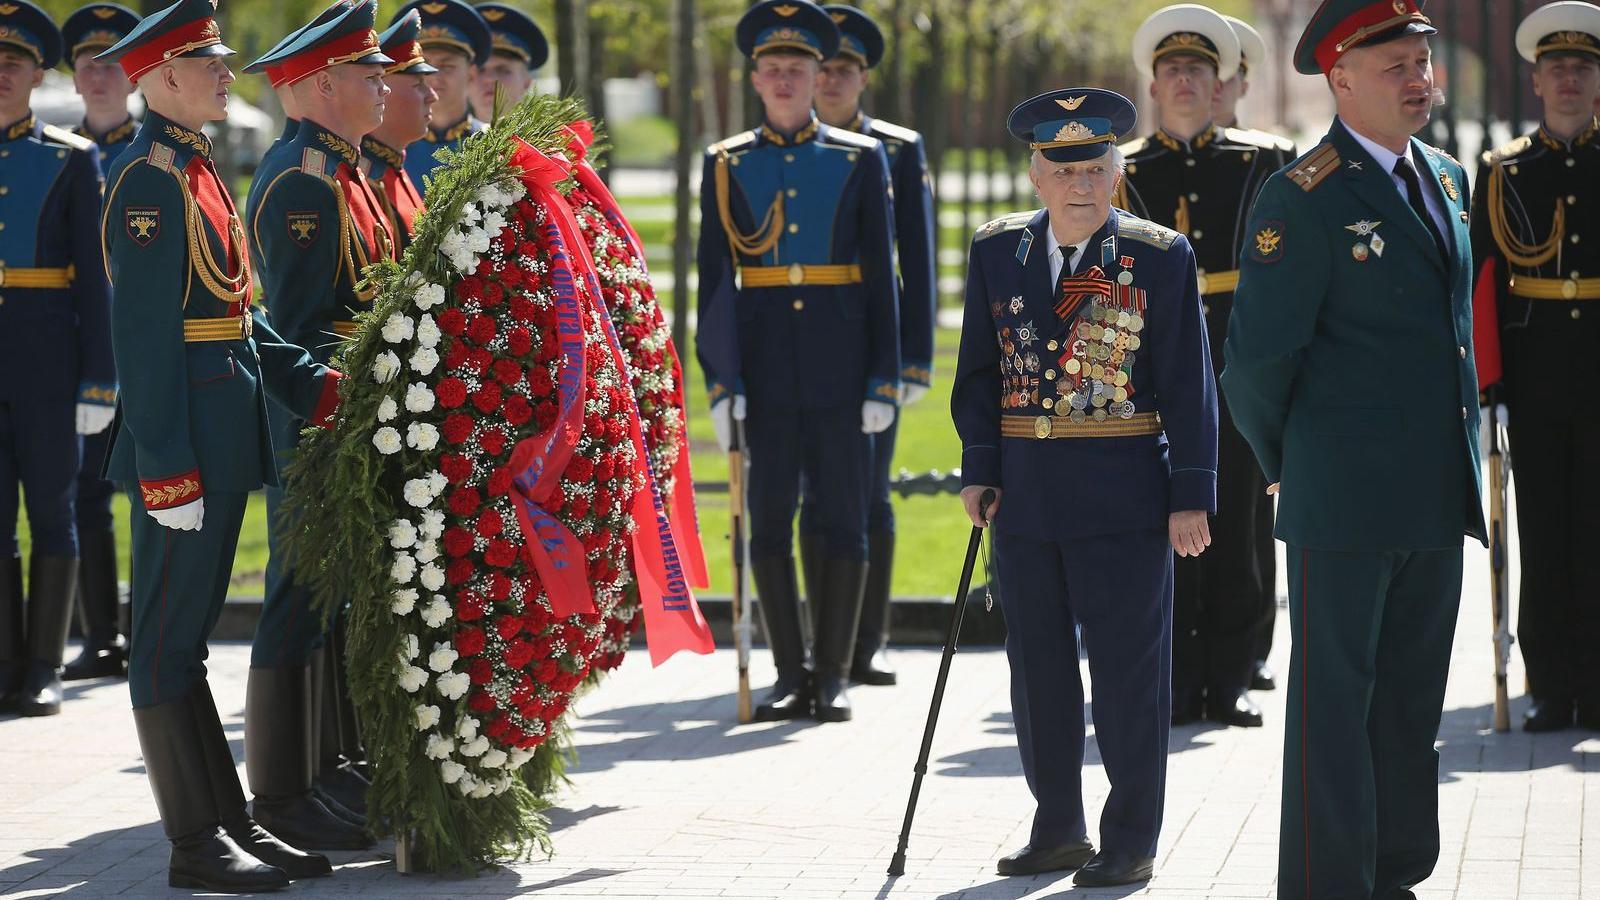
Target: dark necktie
x,y
1402,167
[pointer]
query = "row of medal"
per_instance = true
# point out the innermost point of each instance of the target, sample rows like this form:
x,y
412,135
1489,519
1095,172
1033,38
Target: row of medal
x,y
1098,379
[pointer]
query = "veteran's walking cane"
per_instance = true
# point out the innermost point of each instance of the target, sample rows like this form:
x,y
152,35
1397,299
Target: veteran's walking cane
x,y
1499,567
897,865
741,617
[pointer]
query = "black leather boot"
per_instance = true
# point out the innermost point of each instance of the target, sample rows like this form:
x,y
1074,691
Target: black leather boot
x,y
871,664
105,653
12,632
837,617
779,597
277,733
337,782
229,797
204,856
52,587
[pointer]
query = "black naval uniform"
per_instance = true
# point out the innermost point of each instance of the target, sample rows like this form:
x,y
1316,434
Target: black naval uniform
x,y
1535,229
1204,188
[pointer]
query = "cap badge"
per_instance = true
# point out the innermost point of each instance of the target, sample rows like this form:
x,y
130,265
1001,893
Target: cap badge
x,y
786,10
1072,103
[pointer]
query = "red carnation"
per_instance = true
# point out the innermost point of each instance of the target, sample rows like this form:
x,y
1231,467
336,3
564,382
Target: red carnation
x,y
519,341
452,322
459,571
500,482
481,702
529,248
457,541
603,501
580,468
540,382
499,587
489,523
479,671
454,466
507,626
516,410
469,641
518,654
464,501
546,671
544,645
487,398
579,507
616,430
477,360
492,442
544,415
604,468
501,553
493,294
480,329
470,607
456,356
507,372
523,310
499,729
451,391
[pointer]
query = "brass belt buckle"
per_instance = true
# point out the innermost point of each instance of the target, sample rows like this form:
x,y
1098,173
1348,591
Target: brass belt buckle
x,y
1041,427
1569,289
797,274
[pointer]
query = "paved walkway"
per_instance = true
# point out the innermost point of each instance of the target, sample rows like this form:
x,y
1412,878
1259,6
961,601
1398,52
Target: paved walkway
x,y
673,800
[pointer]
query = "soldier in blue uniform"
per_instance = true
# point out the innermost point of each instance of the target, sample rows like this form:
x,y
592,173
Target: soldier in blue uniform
x,y
1084,399
192,437
520,48
799,326
106,121
406,113
57,381
456,41
316,225
1350,372
839,88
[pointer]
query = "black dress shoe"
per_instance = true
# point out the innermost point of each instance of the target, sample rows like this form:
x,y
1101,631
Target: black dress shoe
x,y
873,670
41,690
832,703
263,845
1263,679
1031,860
790,699
1113,867
1188,707
98,661
1242,712
1548,715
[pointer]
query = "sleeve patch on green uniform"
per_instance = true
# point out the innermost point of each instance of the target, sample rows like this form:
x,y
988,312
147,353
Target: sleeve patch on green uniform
x,y
303,226
143,224
1268,242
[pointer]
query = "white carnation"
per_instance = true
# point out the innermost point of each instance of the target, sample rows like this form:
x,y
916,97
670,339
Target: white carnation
x,y
439,746
428,332
387,440
412,678
419,397
432,577
467,784
432,524
478,240
463,261
494,759
398,327
410,647
471,213
429,295
418,492
403,601
493,222
519,756
386,366
502,784
453,685
426,552
427,716
452,242
402,534
442,658
451,771
481,790
387,409
475,747
403,569
436,612
422,436
424,361
467,728
437,483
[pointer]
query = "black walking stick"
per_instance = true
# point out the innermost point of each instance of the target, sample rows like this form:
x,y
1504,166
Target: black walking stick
x,y
897,865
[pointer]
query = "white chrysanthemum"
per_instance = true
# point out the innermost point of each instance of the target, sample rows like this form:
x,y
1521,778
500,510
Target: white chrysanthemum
x,y
428,333
494,759
403,569
429,295
398,327
387,440
418,493
432,577
437,483
439,747
419,397
426,552
424,361
467,728
475,747
422,436
451,771
435,613
403,601
402,534
427,716
453,685
388,409
442,658
410,646
385,367
432,525
412,678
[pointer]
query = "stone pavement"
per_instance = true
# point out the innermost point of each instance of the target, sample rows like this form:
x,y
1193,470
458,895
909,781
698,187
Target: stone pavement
x,y
671,799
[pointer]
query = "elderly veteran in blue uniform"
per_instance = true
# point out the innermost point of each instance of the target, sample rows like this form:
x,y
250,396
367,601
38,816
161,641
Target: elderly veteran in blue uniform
x,y
317,226
192,437
519,49
107,122
1350,371
456,41
57,381
799,339
838,103
1084,398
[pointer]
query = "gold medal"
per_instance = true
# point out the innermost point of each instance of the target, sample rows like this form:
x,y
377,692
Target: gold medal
x,y
1120,394
1121,379
1133,342
1071,366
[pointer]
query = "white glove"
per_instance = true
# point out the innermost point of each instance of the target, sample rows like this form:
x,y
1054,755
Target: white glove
x,y
911,392
182,518
724,413
94,418
876,416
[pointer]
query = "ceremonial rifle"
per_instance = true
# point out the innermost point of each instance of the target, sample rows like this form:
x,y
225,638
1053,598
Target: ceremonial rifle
x,y
1499,575
741,618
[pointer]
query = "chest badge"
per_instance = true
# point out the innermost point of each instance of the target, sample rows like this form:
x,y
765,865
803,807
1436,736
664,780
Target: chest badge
x,y
1363,227
1377,243
1449,185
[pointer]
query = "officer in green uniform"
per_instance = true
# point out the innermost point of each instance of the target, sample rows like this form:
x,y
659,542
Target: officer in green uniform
x,y
406,113
57,382
519,49
317,225
192,437
1200,179
106,122
456,41
1350,371
1538,199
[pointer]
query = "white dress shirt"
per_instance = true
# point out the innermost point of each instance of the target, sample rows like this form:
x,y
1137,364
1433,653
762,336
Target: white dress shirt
x,y
1430,195
1059,255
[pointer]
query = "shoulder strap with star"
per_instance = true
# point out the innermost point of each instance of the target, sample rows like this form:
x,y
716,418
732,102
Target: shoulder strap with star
x,y
1315,166
1145,231
1008,222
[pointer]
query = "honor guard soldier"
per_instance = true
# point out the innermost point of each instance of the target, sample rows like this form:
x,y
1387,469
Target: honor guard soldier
x,y
519,49
1200,179
799,325
106,122
838,101
405,120
1350,372
57,380
1084,399
317,226
456,42
192,437
1536,243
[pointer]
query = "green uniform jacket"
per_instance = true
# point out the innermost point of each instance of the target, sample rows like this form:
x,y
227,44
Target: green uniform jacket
x,y
1349,354
192,413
